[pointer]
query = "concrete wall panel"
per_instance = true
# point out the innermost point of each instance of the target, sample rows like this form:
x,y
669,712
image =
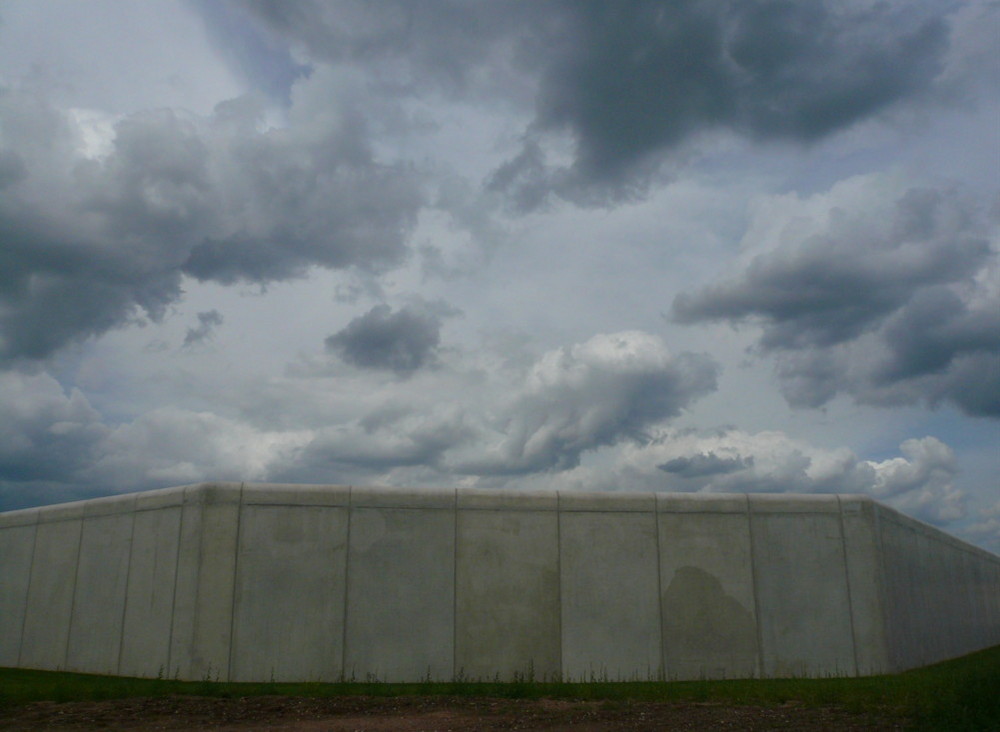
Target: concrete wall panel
x,y
610,579
941,595
864,576
101,584
17,544
800,577
401,588
900,572
507,591
51,587
289,611
206,569
149,603
709,618
318,582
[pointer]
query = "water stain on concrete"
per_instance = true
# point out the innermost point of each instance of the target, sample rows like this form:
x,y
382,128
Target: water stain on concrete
x,y
705,629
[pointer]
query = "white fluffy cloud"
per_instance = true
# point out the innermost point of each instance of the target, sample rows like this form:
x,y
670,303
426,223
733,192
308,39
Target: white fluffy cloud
x,y
919,482
53,443
540,417
987,528
590,395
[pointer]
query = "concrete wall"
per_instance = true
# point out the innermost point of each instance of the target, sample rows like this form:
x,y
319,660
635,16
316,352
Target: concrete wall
x,y
226,581
942,596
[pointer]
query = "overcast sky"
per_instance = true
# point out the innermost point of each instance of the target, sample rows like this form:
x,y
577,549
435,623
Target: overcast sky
x,y
745,245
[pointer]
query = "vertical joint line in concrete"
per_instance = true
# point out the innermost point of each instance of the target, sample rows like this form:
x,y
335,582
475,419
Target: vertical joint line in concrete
x,y
454,593
76,578
236,578
199,567
559,582
27,589
128,576
890,666
756,592
177,570
662,674
847,582
347,584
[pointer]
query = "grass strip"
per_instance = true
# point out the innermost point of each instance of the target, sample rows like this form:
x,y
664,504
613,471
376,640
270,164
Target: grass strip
x,y
960,694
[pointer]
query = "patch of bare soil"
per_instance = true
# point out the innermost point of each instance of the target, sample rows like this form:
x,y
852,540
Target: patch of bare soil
x,y
409,714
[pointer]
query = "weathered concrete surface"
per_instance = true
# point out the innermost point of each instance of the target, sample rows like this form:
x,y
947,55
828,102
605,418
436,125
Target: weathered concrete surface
x,y
610,586
101,582
706,580
232,581
289,583
864,583
200,636
152,573
942,596
49,609
800,579
507,586
17,544
400,586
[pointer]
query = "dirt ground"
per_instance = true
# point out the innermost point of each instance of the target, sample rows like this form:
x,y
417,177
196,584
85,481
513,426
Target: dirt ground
x,y
408,714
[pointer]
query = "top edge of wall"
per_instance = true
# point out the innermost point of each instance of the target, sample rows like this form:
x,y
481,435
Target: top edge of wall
x,y
91,507
394,497
21,517
793,503
609,501
701,502
210,493
437,497
533,500
293,494
891,515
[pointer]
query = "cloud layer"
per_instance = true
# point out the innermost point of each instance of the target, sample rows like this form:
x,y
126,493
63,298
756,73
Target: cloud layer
x,y
236,237
402,341
894,300
93,243
920,481
594,394
629,83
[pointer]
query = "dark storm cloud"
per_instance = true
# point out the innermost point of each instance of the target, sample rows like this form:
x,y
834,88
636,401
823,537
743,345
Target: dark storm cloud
x,y
629,81
402,341
933,330
705,464
634,78
203,331
834,287
12,168
92,244
888,312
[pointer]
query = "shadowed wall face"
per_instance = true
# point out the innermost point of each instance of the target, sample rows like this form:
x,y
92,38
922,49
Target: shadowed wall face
x,y
708,628
254,583
706,572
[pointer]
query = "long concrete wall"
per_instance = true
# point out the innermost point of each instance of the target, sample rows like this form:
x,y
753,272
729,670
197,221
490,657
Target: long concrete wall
x,y
244,582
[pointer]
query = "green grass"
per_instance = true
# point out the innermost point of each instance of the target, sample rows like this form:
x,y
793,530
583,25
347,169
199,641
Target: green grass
x,y
962,694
